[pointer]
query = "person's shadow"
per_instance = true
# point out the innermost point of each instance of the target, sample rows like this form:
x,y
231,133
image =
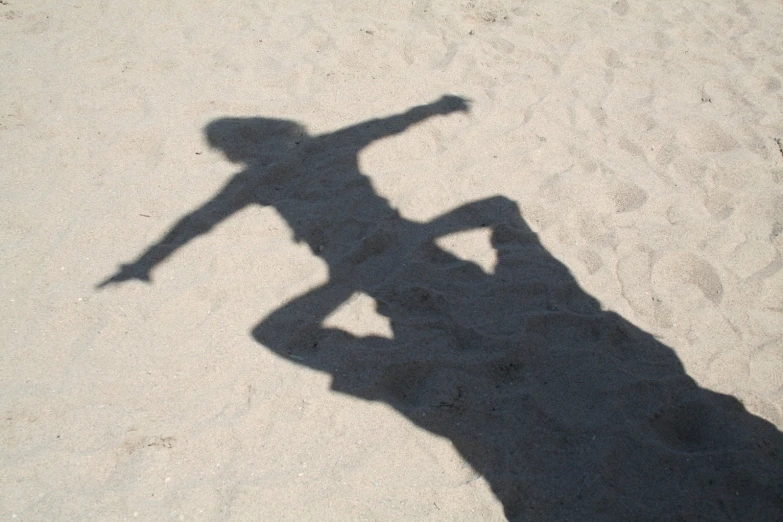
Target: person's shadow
x,y
570,412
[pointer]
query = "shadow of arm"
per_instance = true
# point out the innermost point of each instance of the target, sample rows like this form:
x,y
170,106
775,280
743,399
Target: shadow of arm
x,y
295,328
232,198
366,132
489,212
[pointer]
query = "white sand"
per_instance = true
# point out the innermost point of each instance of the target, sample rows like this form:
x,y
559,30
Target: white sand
x,y
641,141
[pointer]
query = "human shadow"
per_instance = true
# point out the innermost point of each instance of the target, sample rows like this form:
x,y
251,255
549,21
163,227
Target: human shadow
x,y
569,411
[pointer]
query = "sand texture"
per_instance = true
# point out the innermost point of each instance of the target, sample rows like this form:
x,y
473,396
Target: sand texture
x,y
417,260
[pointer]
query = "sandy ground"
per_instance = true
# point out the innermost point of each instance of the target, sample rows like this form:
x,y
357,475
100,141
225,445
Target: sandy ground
x,y
346,297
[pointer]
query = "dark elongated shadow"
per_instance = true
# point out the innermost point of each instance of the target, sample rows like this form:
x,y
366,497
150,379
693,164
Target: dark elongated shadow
x,y
570,412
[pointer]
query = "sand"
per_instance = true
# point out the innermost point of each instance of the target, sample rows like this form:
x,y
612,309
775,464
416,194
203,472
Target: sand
x,y
420,260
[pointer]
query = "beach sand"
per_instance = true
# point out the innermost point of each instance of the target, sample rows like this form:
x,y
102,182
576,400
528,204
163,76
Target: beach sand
x,y
419,260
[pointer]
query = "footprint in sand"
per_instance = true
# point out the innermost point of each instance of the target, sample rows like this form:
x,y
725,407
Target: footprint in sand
x,y
683,268
766,366
627,196
620,7
719,204
708,136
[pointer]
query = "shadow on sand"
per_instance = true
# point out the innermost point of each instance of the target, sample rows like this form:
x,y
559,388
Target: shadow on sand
x,y
570,412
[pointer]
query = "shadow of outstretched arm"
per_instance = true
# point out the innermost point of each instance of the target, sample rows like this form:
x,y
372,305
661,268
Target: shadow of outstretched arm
x,y
294,330
232,198
362,134
488,212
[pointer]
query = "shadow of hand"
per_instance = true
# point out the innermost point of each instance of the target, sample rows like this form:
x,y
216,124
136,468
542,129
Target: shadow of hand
x,y
450,103
127,272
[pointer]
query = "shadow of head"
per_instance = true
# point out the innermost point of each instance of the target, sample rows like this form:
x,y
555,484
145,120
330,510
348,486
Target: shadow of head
x,y
254,140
